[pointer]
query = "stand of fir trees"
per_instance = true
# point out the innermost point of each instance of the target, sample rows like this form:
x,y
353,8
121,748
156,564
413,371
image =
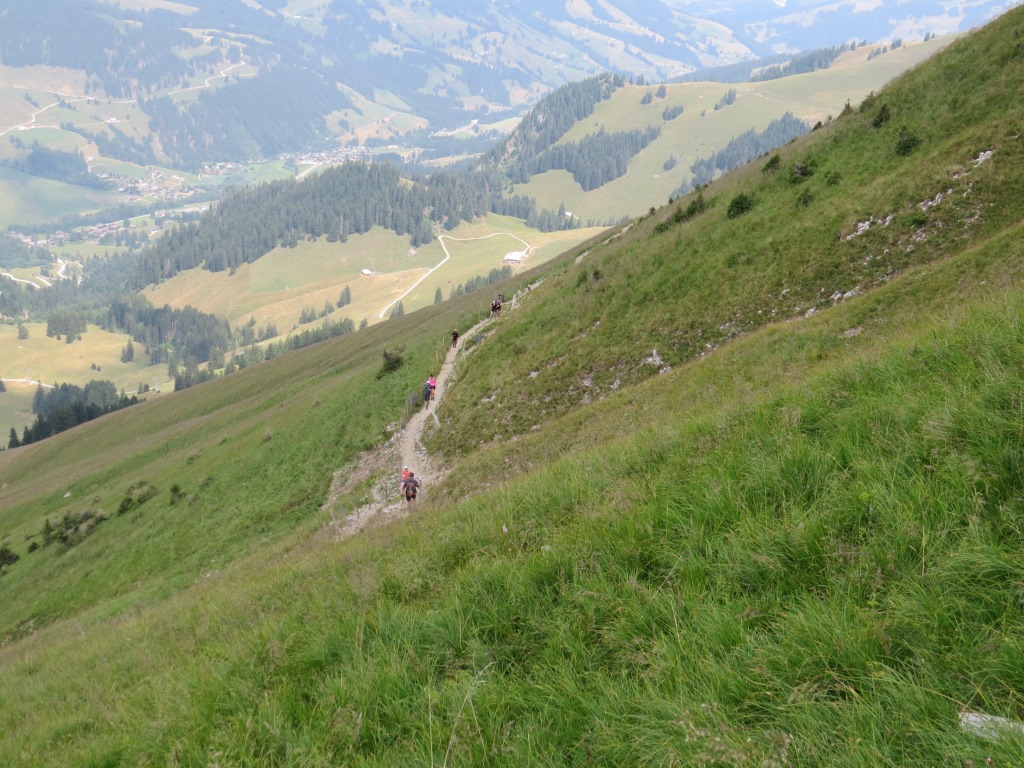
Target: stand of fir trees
x,y
68,405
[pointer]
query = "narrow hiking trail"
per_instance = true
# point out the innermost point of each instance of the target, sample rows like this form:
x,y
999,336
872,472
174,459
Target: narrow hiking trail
x,y
382,467
410,452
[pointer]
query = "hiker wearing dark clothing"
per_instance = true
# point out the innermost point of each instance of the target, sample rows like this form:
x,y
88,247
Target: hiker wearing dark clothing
x,y
455,337
427,391
410,485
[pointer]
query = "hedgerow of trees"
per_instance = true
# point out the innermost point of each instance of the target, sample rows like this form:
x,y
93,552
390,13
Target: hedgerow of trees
x,y
479,281
803,63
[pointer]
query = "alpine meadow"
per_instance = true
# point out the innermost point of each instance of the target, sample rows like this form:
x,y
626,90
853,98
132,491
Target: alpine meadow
x,y
737,482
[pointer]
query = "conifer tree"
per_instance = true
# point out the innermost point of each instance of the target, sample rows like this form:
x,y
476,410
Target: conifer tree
x,y
345,298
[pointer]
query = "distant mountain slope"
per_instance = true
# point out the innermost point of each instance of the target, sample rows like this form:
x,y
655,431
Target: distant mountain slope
x,y
694,127
222,80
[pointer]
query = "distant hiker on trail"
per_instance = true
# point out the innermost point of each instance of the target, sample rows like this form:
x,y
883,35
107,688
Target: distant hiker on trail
x,y
455,337
405,474
410,485
426,393
433,386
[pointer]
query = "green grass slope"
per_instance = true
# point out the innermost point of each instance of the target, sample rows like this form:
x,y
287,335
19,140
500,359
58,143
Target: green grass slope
x,y
28,199
832,216
786,538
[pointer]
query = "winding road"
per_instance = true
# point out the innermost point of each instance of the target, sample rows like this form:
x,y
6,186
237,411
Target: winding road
x,y
447,255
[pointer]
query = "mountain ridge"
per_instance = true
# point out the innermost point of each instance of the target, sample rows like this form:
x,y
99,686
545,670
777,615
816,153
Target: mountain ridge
x,y
441,63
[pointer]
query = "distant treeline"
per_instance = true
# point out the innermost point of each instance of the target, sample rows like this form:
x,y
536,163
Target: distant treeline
x,y
547,122
68,167
480,281
768,68
68,322
803,63
350,199
744,148
309,336
191,333
66,406
14,253
191,374
597,159
194,335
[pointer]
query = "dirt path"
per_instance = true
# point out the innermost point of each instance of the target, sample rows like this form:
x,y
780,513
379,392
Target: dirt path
x,y
380,468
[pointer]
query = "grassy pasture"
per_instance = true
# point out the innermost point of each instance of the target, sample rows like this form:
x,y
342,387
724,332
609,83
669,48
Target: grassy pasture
x,y
27,273
270,170
41,82
278,407
45,359
30,199
277,287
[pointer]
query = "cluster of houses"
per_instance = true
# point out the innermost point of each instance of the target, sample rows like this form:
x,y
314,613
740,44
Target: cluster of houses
x,y
155,185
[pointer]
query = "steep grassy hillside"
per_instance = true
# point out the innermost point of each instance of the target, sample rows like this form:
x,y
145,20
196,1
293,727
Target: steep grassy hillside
x,y
906,179
690,520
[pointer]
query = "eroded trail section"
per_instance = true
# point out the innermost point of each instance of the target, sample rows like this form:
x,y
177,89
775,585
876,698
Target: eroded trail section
x,y
379,469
